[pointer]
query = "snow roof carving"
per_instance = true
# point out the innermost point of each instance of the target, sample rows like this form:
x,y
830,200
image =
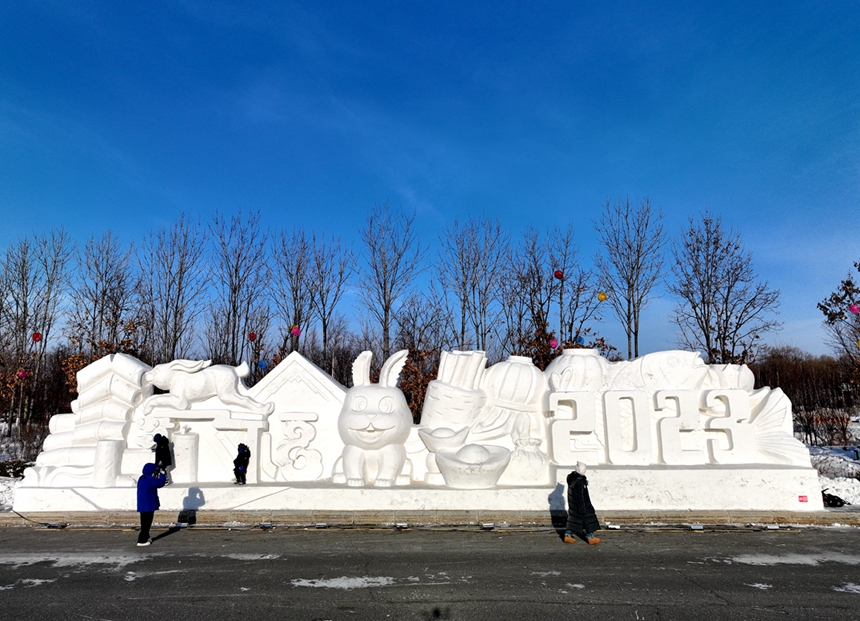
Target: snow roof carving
x,y
295,380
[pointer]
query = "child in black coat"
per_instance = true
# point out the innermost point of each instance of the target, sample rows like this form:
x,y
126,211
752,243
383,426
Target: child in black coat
x,y
240,464
163,457
581,517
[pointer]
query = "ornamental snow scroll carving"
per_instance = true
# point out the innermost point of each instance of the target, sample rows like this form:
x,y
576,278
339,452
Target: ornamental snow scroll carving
x,y
295,460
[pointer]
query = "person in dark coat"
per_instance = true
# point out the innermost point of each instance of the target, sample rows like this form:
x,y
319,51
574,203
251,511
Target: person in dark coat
x,y
581,517
147,500
163,457
240,464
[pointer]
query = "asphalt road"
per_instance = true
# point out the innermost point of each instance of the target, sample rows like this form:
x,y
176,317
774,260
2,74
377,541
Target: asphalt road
x,y
253,575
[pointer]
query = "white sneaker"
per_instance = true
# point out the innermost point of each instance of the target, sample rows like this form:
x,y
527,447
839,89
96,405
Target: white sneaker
x,y
146,543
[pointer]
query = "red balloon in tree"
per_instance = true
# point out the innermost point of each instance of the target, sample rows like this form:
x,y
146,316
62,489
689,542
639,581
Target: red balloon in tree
x,y
252,336
558,274
37,336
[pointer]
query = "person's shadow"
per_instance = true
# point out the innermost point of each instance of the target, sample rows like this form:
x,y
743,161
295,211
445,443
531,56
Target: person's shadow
x,y
188,516
557,509
193,501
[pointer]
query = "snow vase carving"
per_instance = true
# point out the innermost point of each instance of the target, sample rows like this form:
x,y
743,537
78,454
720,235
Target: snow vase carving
x,y
374,424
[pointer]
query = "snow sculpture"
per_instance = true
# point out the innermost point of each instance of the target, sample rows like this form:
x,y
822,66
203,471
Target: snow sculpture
x,y
190,381
666,408
504,405
439,439
85,448
664,431
474,466
374,423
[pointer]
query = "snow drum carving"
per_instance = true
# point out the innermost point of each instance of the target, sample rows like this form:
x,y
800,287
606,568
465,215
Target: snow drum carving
x,y
664,431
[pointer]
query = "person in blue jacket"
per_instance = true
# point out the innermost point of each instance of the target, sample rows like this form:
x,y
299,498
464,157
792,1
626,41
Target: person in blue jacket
x,y
147,500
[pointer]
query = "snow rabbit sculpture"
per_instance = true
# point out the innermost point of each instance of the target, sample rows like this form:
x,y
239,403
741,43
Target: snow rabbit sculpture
x,y
190,381
374,423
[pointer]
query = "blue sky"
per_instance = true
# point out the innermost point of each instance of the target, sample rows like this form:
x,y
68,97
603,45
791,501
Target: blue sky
x,y
119,116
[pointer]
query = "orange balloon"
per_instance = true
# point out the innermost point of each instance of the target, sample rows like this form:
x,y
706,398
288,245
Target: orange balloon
x,y
601,296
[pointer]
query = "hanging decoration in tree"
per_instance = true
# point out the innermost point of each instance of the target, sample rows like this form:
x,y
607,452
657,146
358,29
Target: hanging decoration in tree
x,y
252,336
37,336
580,340
854,308
558,274
295,330
22,374
263,365
553,342
602,296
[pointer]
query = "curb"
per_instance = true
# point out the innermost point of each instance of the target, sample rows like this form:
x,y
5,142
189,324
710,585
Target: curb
x,y
451,519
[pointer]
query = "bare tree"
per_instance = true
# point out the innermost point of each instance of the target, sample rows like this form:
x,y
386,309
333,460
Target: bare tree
x,y
423,321
292,285
172,287
528,291
533,270
471,265
842,320
104,314
577,289
631,262
424,329
240,275
723,311
393,258
516,319
34,278
330,271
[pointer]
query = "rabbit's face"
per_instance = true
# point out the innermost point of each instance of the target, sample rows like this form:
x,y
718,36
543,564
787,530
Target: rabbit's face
x,y
374,416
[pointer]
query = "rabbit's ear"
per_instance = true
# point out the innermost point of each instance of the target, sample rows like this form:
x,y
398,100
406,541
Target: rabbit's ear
x,y
392,367
189,366
361,369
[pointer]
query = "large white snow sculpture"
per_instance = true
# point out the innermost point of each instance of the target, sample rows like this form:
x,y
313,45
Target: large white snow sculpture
x,y
664,431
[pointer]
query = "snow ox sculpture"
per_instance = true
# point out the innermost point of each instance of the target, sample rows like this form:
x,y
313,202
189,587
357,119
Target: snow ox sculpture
x,y
664,431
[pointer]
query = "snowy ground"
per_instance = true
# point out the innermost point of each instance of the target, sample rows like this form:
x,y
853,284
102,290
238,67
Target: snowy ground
x,y
839,471
6,493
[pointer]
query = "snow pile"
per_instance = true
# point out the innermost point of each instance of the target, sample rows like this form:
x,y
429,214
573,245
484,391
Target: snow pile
x,y
839,471
8,447
836,461
7,492
847,489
